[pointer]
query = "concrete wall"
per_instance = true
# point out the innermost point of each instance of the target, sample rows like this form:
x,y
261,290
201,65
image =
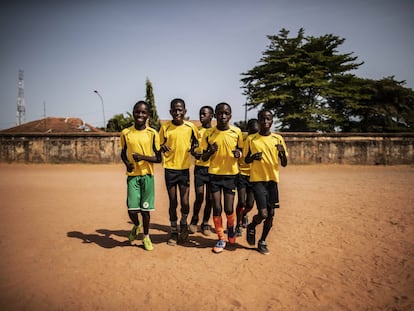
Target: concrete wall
x,y
304,148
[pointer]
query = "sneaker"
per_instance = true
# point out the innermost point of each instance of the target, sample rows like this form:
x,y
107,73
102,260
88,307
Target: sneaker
x,y
134,232
219,247
184,233
239,230
262,248
206,230
245,221
148,244
251,234
173,240
193,228
231,234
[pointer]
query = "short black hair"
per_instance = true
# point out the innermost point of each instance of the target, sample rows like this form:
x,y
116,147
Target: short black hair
x,y
252,122
175,101
222,104
209,108
261,112
141,102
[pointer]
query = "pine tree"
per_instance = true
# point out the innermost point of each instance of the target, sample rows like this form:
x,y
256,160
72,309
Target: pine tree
x,y
294,78
154,120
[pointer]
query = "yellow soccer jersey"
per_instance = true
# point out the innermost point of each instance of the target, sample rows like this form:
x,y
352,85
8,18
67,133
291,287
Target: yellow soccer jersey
x,y
267,168
142,142
243,166
223,162
178,138
202,131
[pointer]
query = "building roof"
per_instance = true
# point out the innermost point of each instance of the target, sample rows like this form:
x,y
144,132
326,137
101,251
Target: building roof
x,y
54,125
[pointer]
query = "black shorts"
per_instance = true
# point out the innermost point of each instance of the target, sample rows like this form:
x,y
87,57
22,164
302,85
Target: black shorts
x,y
176,177
225,182
243,181
266,194
201,176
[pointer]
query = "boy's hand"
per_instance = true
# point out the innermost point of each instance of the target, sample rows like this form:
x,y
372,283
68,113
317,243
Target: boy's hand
x,y
136,157
237,153
280,148
164,148
212,148
129,167
257,156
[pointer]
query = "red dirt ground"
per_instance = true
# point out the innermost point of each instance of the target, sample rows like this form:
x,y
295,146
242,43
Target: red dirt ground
x,y
343,239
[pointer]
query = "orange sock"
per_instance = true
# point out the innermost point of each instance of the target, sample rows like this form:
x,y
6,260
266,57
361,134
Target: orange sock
x,y
230,220
218,225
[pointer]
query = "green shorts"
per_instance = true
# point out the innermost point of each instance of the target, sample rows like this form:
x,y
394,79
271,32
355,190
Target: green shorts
x,y
140,193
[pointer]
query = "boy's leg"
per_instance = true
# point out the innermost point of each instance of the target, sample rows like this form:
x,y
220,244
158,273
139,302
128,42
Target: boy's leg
x,y
205,227
273,202
217,210
230,215
146,222
133,199
185,209
133,216
172,195
261,196
199,196
241,206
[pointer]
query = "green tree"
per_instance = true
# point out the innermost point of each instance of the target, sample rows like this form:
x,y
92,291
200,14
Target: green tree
x,y
294,78
118,122
154,120
387,106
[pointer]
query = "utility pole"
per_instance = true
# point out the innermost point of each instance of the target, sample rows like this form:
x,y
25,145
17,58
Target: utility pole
x,y
103,109
21,109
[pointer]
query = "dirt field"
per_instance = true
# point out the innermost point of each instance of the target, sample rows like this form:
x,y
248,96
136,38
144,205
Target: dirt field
x,y
343,239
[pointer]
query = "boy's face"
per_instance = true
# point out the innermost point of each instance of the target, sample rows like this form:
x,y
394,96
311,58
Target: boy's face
x,y
265,121
140,114
205,115
223,115
178,112
253,128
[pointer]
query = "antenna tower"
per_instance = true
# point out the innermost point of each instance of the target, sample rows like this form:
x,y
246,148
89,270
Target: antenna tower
x,y
21,109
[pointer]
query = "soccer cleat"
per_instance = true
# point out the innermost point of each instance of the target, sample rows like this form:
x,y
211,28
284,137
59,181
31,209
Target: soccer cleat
x,y
251,234
262,248
219,247
231,234
206,230
173,240
134,232
184,233
239,230
148,244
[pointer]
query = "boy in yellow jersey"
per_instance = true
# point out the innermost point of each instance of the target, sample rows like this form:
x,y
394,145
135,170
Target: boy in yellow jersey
x,y
140,149
201,177
263,150
245,196
178,138
222,146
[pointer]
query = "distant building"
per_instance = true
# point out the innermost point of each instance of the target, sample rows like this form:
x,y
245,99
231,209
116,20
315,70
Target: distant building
x,y
54,125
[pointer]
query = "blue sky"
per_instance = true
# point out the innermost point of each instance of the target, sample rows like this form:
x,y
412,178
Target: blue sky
x,y
195,50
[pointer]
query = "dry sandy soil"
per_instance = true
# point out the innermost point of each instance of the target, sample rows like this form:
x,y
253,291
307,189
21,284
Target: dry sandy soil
x,y
343,239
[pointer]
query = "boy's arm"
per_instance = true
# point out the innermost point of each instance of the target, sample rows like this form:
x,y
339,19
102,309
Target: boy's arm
x,y
211,149
156,158
194,145
129,166
251,157
282,154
